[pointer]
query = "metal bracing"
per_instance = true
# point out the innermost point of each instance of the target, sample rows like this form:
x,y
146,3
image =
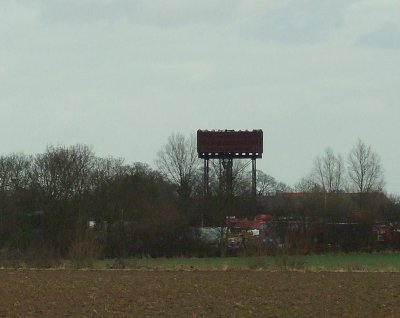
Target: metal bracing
x,y
253,177
206,179
206,189
225,175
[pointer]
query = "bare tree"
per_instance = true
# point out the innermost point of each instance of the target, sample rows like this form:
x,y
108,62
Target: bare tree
x,y
364,169
178,160
14,198
283,187
329,171
63,172
179,163
307,184
14,171
265,183
219,181
106,170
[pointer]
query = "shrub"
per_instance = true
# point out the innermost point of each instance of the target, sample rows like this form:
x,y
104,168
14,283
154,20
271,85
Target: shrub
x,y
85,249
10,258
286,261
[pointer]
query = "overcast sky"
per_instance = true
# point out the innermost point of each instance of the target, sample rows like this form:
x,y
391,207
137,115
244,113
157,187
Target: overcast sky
x,y
122,75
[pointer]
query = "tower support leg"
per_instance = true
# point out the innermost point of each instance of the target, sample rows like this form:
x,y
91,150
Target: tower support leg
x,y
253,178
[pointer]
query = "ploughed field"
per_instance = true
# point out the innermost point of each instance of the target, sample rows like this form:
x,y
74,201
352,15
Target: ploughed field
x,y
133,293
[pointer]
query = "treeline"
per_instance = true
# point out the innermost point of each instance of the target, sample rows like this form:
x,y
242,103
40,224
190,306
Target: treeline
x,y
360,172
71,202
67,197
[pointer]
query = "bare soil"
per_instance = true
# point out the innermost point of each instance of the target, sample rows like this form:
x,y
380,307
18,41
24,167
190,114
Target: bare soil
x,y
130,293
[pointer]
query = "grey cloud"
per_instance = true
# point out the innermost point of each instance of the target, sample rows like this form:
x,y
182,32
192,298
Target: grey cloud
x,y
300,21
387,37
173,13
121,74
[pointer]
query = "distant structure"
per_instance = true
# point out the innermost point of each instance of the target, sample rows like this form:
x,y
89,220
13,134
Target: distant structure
x,y
227,145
